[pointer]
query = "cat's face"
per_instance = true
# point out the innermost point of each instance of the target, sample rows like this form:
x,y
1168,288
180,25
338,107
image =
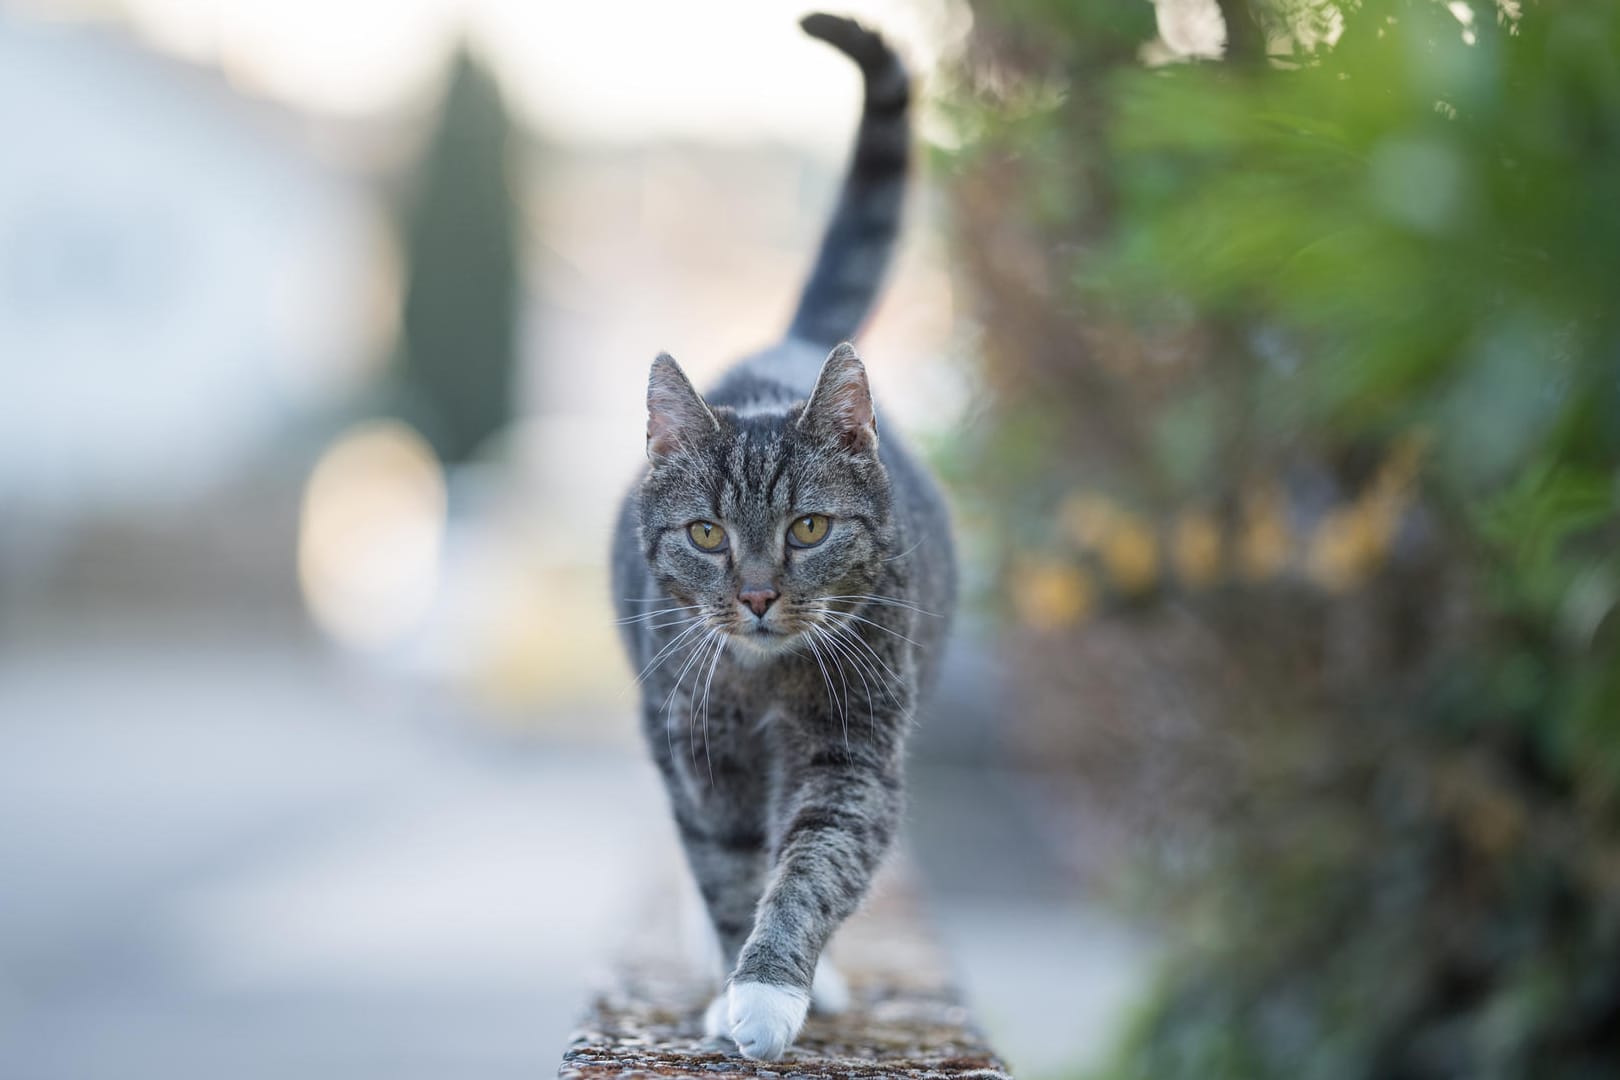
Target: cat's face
x,y
764,524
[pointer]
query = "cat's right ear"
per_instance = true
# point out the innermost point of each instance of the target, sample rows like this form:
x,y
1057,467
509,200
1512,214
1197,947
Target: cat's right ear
x,y
676,414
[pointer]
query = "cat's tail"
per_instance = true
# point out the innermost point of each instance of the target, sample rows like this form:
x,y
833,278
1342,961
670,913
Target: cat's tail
x,y
860,237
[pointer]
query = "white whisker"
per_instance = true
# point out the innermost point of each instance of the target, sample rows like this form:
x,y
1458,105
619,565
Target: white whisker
x,y
663,654
844,650
645,615
833,660
695,652
903,554
888,601
846,633
878,625
702,617
699,655
707,683
698,651
832,699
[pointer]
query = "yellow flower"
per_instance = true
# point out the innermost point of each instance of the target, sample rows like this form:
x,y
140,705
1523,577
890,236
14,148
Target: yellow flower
x,y
1049,594
1400,468
1130,554
1350,542
1196,549
1086,518
1263,552
1343,549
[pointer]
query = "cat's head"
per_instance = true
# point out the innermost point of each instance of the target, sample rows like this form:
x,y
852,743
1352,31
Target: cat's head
x,y
765,523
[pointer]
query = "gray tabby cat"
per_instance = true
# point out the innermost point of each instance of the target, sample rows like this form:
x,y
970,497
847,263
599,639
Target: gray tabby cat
x,y
786,580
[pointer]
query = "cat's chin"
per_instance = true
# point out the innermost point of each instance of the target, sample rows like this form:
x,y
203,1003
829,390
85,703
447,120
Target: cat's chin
x,y
754,646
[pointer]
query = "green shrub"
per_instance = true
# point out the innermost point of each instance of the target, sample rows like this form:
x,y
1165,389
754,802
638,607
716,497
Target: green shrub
x,y
1255,292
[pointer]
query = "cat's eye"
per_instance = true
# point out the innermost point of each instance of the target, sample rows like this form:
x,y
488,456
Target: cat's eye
x,y
707,535
808,530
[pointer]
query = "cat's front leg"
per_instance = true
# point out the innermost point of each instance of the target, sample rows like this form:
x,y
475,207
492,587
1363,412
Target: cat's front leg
x,y
842,812
719,813
728,865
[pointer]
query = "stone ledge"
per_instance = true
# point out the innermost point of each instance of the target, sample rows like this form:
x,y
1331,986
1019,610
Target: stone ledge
x,y
906,1018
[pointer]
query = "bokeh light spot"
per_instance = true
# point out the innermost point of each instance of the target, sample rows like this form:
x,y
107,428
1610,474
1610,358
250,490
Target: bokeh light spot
x,y
371,534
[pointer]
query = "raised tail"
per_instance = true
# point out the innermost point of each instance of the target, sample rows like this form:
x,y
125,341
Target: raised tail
x,y
860,237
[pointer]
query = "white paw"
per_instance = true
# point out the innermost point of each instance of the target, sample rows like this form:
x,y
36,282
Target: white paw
x,y
765,1018
716,1022
829,994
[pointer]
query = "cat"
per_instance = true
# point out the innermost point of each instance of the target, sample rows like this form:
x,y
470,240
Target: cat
x,y
785,581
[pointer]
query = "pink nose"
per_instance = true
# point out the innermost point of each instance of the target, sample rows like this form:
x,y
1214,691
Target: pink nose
x,y
758,600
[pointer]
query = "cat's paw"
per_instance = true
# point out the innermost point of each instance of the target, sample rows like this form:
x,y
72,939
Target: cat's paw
x,y
716,1018
765,1017
829,994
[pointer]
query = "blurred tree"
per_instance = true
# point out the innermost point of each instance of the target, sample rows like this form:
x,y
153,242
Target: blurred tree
x,y
1321,354
458,351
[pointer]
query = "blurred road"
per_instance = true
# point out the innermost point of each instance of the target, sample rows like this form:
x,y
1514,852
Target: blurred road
x,y
229,856
233,860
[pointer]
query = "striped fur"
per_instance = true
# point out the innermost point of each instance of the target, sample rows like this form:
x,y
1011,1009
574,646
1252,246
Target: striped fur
x,y
780,736
856,248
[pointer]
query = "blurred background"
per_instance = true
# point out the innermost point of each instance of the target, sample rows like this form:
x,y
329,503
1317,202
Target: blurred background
x,y
1267,349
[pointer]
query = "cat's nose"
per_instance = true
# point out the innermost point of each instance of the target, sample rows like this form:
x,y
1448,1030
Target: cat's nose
x,y
757,597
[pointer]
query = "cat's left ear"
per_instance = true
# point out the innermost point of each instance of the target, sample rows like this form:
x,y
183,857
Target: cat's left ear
x,y
676,413
840,407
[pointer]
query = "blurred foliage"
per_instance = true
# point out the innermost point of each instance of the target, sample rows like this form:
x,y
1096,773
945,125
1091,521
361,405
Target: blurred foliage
x,y
458,353
1318,346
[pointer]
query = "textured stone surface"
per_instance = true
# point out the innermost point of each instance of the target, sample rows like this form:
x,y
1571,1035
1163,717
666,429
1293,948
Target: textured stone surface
x,y
906,1018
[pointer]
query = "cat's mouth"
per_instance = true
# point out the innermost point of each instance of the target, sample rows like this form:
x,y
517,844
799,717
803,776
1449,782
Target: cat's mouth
x,y
765,636
761,631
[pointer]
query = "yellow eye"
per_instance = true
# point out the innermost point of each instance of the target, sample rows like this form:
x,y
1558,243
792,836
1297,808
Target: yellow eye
x,y
808,531
707,535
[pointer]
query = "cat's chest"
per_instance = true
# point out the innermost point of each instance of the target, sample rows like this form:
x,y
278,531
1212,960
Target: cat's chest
x,y
750,695
774,696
